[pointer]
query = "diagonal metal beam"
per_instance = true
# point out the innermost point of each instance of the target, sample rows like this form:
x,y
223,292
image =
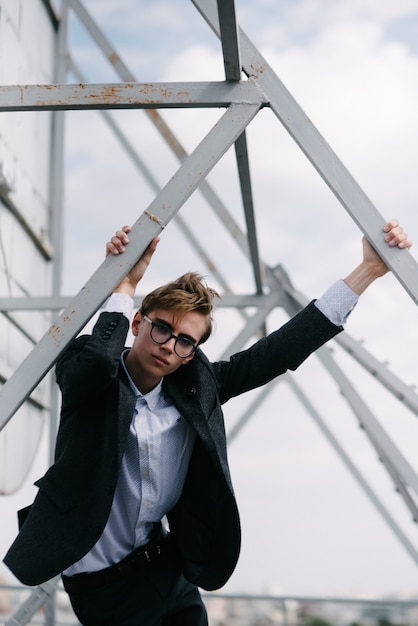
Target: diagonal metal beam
x,y
394,462
142,167
247,247
124,73
372,428
34,602
332,440
163,208
353,469
320,154
253,324
400,390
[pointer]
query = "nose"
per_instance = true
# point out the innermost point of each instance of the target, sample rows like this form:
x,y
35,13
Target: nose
x,y
169,345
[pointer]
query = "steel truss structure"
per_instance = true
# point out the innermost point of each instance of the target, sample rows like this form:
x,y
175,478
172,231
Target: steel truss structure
x,y
250,85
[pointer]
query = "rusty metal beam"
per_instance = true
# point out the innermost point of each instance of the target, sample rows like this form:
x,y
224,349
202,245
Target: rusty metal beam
x,y
128,96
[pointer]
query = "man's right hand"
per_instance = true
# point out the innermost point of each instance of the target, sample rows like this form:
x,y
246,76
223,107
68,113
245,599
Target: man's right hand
x,y
117,245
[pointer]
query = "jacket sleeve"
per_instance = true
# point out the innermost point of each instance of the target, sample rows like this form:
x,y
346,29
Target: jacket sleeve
x,y
91,362
284,349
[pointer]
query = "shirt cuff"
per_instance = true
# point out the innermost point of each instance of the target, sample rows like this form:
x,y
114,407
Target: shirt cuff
x,y
119,303
337,302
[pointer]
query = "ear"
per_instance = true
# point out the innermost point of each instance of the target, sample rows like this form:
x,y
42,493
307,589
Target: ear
x,y
136,322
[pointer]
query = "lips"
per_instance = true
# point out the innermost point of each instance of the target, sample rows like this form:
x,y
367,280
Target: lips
x,y
159,359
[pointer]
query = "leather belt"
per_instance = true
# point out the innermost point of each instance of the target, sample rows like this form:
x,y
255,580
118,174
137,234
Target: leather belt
x,y
134,563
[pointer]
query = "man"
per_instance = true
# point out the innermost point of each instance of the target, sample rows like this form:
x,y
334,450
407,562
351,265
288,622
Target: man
x,y
142,439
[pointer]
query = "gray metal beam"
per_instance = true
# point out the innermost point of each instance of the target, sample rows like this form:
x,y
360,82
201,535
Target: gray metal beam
x,y
321,155
251,409
253,325
155,186
229,39
56,194
241,153
46,303
128,96
332,440
232,63
163,208
126,75
39,239
396,465
368,421
36,600
404,393
353,469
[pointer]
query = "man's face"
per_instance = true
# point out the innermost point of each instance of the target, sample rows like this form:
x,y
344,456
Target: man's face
x,y
148,361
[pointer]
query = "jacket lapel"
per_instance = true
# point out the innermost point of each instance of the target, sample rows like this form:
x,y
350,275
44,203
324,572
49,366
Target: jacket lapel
x,y
125,411
184,388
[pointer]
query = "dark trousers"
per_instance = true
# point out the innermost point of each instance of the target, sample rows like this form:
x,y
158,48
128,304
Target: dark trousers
x,y
158,595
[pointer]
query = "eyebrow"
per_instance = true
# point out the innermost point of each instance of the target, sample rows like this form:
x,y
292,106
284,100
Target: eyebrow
x,y
164,323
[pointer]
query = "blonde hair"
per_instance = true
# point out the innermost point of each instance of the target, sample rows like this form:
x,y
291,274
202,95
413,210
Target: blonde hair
x,y
188,293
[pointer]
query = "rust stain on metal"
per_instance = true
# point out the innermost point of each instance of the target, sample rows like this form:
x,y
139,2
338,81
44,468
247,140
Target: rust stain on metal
x,y
146,88
56,331
67,318
257,70
111,91
155,218
114,58
165,131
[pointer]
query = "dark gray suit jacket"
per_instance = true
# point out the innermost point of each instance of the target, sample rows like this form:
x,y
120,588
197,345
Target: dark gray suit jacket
x,y
75,495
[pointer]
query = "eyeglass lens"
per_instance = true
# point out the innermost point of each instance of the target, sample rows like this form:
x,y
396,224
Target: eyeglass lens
x,y
161,334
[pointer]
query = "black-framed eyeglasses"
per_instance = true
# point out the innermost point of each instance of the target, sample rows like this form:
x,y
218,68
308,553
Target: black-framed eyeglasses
x,y
161,333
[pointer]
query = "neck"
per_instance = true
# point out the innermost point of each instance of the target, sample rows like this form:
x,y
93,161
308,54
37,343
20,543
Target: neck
x,y
142,381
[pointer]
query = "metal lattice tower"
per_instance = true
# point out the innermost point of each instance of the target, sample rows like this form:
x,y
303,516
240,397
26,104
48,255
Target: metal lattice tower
x,y
250,86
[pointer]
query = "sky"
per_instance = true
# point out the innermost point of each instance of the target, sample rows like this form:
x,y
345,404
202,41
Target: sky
x,y
308,528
